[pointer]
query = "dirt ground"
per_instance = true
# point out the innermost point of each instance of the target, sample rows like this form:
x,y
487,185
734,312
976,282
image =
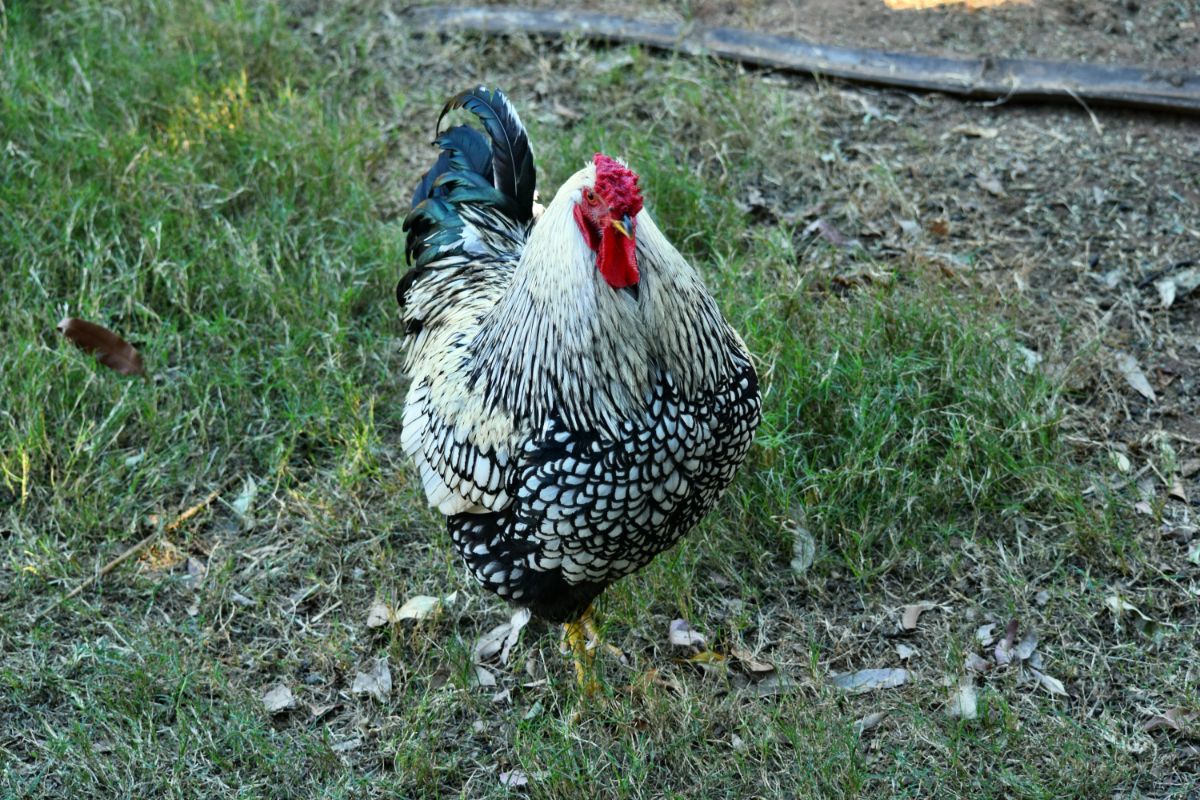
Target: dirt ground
x,y
1158,34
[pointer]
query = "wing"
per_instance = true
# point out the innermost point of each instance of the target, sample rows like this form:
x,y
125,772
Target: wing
x,y
472,212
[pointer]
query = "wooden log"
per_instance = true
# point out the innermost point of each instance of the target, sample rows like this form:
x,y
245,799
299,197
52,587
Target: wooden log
x,y
984,77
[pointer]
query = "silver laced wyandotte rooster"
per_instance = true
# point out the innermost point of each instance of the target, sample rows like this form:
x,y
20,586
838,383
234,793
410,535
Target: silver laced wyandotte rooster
x,y
577,402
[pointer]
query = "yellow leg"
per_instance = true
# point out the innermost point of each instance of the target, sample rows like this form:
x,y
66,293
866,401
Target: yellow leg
x,y
576,634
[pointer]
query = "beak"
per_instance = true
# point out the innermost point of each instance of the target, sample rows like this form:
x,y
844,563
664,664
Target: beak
x,y
624,226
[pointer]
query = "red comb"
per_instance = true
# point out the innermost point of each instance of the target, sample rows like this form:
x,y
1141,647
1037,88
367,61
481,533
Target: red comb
x,y
618,184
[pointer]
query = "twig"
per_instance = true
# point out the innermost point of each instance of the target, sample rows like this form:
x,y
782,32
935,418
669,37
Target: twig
x,y
136,548
985,77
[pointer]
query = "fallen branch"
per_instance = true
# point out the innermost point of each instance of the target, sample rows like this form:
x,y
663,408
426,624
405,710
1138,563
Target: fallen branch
x,y
984,78
135,549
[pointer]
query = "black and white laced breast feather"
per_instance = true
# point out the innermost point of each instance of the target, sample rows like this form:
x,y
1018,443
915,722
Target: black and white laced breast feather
x,y
588,510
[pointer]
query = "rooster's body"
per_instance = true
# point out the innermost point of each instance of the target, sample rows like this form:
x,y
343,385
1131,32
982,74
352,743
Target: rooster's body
x,y
577,402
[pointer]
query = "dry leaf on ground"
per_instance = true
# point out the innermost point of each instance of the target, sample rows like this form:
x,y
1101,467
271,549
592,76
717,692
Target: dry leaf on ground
x,y
379,614
804,550
680,634
870,679
965,702
912,613
1132,372
377,682
420,607
278,699
1172,720
1052,685
514,779
500,639
751,663
869,722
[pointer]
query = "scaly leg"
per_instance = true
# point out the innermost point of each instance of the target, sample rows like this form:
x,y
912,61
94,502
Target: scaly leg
x,y
576,636
588,620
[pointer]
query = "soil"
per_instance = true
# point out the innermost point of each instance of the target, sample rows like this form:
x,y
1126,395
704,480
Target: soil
x,y
1163,35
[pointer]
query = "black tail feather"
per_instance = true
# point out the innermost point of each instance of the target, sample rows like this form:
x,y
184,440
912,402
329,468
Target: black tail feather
x,y
512,157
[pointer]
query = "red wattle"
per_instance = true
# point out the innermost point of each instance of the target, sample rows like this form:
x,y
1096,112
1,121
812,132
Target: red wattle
x,y
618,259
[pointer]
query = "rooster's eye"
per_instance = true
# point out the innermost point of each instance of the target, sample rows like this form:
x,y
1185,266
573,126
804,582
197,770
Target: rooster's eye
x,y
590,196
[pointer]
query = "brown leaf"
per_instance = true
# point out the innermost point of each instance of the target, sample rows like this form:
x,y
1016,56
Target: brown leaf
x,y
110,349
1172,720
1177,491
750,662
913,613
939,227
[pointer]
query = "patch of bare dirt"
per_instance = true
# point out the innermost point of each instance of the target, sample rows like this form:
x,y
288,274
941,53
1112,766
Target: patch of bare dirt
x,y
1153,34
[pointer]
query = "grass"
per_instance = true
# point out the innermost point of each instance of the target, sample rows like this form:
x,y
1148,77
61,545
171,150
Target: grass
x,y
224,184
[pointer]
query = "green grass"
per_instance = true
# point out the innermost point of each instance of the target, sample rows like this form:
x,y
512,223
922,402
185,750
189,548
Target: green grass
x,y
224,182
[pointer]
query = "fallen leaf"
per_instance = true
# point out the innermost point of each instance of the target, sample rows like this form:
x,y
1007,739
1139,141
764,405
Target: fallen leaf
x,y
278,699
1194,552
977,664
870,679
1132,372
1119,605
377,682
243,505
965,703
986,634
483,676
1052,685
500,639
514,779
110,349
379,614
737,742
1027,645
976,131
775,683
1004,649
1176,491
913,613
680,634
751,663
420,607
1173,719
869,722
828,232
905,652
1190,467
991,185
939,227
1144,508
804,550
1172,287
707,657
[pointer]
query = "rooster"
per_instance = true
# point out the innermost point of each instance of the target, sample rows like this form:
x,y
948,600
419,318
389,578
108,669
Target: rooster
x,y
576,402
